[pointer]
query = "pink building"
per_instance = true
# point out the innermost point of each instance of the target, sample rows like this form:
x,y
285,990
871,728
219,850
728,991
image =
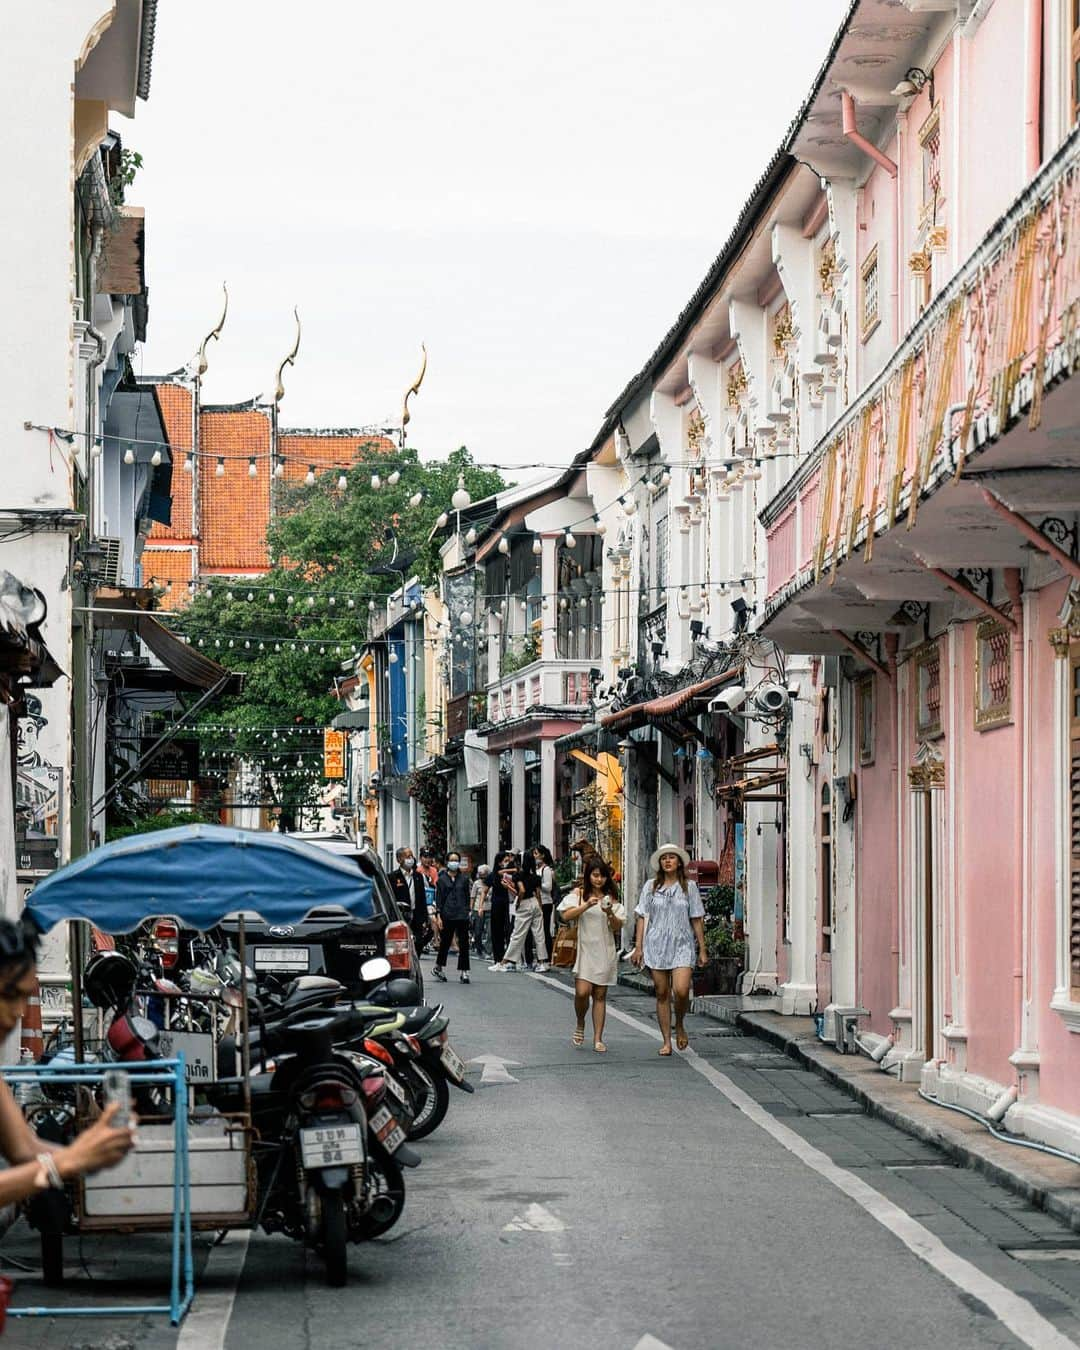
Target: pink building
x,y
923,555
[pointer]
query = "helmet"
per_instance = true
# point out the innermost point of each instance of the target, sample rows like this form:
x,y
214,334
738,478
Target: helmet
x,y
108,979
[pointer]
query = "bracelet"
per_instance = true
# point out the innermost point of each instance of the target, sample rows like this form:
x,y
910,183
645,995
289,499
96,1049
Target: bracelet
x,y
49,1176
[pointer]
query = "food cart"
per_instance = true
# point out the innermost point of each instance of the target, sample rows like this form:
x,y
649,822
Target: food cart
x,y
195,1170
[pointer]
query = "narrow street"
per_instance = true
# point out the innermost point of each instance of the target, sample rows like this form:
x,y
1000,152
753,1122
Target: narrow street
x,y
580,1200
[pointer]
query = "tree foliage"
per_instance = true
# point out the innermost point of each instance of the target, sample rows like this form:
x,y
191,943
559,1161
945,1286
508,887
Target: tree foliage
x,y
335,553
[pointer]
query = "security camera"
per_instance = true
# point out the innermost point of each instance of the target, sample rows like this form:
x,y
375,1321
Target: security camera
x,y
771,699
734,696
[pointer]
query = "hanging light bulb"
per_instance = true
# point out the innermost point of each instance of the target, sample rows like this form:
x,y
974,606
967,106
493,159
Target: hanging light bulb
x,y
189,462
219,467
665,479
393,657
371,606
394,478
601,528
289,599
376,482
470,537
252,468
332,600
247,645
129,456
279,468
461,499
653,488
563,602
583,603
250,596
228,595
416,499
504,545
155,458
442,520
350,603
629,506
311,602
342,482
95,450
537,546
271,597
309,477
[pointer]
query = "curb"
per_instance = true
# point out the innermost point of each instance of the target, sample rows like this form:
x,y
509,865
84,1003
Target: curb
x,y
1048,1183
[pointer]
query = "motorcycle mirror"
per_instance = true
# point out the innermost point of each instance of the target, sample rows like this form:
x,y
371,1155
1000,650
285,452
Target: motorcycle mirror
x,y
378,968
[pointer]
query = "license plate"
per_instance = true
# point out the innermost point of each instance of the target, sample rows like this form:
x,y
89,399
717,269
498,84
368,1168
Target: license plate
x,y
453,1065
331,1146
281,958
395,1087
387,1130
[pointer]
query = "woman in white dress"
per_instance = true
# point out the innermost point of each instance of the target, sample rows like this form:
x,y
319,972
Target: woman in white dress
x,y
670,920
599,915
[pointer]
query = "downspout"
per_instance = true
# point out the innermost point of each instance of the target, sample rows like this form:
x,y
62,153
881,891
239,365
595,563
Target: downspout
x,y
1013,588
851,131
1033,87
892,643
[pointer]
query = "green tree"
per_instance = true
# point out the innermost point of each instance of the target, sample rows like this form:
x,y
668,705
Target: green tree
x,y
289,632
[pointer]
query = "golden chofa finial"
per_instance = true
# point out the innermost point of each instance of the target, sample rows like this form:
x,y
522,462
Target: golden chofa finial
x,y
213,335
413,388
290,360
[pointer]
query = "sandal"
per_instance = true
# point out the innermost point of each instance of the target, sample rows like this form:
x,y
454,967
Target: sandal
x,y
600,1048
664,1050
578,1037
682,1040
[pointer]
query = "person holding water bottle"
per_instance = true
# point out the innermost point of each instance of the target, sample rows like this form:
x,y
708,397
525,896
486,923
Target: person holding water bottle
x,y
34,1164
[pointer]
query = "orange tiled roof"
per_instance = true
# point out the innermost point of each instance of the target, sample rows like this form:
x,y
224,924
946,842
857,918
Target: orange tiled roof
x,y
234,510
175,403
171,567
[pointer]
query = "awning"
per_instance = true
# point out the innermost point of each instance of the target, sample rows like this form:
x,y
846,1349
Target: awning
x,y
592,736
351,721
639,713
186,662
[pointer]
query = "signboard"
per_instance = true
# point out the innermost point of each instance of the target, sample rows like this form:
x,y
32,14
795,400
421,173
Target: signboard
x,y
740,870
178,761
333,754
200,1061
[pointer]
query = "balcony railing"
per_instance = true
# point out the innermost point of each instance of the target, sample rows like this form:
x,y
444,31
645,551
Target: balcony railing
x,y
1001,330
542,684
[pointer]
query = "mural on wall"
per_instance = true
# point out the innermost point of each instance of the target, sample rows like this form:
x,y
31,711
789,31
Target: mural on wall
x,y
38,794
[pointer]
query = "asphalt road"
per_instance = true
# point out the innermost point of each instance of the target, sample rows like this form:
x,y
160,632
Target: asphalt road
x,y
725,1198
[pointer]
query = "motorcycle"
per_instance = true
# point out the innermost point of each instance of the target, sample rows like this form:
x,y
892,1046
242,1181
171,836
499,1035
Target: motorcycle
x,y
332,1147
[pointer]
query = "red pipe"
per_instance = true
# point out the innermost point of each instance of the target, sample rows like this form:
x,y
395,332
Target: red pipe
x,y
1033,88
1033,535
954,584
851,131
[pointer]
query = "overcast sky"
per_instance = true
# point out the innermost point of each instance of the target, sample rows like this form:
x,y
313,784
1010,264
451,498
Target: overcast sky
x,y
532,189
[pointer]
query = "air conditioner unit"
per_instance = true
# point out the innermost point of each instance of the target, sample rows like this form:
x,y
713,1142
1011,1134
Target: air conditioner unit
x,y
110,567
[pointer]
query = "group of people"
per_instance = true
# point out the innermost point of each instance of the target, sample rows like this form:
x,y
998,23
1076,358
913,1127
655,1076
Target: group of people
x,y
514,900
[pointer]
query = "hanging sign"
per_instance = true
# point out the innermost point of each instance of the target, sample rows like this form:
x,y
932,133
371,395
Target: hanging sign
x,y
333,754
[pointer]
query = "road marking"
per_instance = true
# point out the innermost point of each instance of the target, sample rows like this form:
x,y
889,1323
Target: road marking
x,y
536,1219
1046,1254
648,1342
207,1323
1014,1312
495,1069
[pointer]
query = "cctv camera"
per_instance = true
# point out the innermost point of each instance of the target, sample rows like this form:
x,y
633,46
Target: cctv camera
x,y
734,696
771,699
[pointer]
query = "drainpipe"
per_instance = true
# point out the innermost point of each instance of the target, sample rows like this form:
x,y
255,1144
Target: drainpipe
x,y
892,643
1013,588
1033,87
851,131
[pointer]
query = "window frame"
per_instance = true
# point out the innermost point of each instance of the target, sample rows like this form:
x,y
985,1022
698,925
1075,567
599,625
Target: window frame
x,y
866,718
868,325
989,715
924,657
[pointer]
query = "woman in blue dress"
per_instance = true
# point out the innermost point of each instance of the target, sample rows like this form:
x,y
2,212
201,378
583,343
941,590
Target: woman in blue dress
x,y
670,923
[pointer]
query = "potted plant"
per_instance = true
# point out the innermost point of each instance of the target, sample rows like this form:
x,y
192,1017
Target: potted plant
x,y
726,959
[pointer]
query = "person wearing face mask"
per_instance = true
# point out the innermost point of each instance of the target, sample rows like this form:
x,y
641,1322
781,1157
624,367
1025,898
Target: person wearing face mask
x,y
453,902
410,894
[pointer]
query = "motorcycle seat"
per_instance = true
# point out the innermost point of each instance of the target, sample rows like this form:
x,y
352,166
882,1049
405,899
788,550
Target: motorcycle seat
x,y
309,989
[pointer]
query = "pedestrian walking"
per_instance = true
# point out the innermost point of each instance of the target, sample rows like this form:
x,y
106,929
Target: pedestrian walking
x,y
670,921
33,1164
502,898
480,895
549,897
411,895
452,906
599,914
528,918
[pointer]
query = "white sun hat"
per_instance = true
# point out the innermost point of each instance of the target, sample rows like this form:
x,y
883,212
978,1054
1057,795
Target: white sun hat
x,y
654,861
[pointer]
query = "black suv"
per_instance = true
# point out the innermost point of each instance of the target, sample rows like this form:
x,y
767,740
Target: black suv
x,y
329,941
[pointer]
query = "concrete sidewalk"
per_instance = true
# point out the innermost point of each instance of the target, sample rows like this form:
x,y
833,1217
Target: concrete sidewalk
x,y
1050,1183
